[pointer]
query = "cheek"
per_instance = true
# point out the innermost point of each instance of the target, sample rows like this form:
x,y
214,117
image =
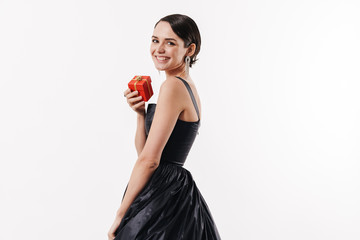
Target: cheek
x,y
175,53
180,55
152,49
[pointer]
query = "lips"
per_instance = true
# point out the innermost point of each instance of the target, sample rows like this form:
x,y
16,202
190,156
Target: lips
x,y
162,58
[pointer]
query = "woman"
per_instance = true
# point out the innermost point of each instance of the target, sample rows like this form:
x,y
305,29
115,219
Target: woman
x,y
161,200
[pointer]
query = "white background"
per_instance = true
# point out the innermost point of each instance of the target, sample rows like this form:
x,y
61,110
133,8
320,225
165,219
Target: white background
x,y
277,156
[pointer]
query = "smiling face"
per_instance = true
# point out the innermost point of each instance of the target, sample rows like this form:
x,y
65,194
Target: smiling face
x,y
167,49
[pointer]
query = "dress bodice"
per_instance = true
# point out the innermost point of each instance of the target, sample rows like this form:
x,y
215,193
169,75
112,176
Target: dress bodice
x,y
182,137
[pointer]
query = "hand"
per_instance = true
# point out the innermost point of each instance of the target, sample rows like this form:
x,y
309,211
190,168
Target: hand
x,y
135,101
114,226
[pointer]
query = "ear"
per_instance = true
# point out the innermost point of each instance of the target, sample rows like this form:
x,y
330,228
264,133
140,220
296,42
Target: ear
x,y
191,50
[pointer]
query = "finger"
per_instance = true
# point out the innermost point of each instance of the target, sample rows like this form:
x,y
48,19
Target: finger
x,y
134,93
127,91
129,95
134,99
139,104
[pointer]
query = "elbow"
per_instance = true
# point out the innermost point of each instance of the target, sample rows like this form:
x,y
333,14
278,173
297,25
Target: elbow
x,y
149,163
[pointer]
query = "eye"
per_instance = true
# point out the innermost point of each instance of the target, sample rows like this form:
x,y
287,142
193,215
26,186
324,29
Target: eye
x,y
171,43
154,40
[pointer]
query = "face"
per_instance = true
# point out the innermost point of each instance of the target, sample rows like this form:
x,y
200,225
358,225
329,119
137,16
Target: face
x,y
167,49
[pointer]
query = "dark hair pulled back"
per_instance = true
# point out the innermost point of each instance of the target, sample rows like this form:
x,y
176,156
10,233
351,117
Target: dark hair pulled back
x,y
187,30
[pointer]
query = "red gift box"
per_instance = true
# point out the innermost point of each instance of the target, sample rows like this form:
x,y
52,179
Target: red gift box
x,y
142,84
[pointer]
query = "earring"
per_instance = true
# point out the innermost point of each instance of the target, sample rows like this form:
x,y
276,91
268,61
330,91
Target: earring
x,y
187,65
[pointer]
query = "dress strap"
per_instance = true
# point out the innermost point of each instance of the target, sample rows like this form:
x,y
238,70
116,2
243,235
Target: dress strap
x,y
191,95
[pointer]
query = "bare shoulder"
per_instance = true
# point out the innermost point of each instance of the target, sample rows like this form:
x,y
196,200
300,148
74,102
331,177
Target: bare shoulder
x,y
174,89
179,93
172,83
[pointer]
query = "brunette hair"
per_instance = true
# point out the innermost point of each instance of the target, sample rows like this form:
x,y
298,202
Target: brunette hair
x,y
187,30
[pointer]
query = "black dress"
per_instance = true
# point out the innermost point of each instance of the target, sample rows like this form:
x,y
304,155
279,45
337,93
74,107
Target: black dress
x,y
170,206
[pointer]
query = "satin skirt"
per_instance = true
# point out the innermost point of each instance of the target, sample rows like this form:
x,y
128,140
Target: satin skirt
x,y
170,207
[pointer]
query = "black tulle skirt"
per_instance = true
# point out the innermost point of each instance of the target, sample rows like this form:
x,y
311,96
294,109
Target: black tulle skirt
x,y
170,207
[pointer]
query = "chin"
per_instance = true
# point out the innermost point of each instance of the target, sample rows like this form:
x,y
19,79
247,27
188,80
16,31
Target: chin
x,y
160,68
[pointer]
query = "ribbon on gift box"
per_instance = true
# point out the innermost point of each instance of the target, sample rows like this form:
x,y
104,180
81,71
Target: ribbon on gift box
x,y
139,78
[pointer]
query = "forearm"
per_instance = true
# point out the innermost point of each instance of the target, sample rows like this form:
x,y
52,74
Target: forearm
x,y
142,171
140,136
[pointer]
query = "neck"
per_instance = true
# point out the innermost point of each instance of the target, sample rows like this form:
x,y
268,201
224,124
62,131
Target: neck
x,y
176,72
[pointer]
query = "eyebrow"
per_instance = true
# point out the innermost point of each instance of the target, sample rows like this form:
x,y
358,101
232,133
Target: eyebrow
x,y
166,38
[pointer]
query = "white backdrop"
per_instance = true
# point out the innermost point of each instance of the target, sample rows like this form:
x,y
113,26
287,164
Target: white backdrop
x,y
277,156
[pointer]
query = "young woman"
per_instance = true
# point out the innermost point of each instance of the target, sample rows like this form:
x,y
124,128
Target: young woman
x,y
161,200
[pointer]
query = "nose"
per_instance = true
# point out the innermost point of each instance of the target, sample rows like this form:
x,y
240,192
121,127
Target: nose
x,y
160,48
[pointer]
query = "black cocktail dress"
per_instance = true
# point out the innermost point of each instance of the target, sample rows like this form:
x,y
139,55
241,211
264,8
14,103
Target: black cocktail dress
x,y
170,206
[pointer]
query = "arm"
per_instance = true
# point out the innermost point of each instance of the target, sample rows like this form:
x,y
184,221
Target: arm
x,y
167,111
140,136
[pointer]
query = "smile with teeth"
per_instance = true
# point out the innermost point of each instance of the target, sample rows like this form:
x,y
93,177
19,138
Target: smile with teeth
x,y
162,58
